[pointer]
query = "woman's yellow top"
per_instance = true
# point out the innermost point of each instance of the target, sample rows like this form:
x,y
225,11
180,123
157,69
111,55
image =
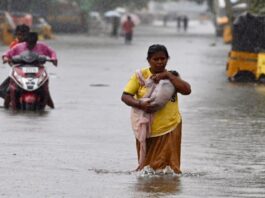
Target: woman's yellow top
x,y
166,119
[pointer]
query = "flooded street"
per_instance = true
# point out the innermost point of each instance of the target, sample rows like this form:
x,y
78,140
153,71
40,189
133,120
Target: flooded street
x,y
85,147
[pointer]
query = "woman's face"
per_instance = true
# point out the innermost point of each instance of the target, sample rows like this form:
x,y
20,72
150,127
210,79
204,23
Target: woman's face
x,y
158,62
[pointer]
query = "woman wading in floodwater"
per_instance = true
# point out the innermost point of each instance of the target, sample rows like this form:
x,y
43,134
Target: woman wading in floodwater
x,y
161,147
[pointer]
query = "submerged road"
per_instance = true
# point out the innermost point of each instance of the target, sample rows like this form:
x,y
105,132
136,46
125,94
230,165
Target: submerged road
x,y
85,146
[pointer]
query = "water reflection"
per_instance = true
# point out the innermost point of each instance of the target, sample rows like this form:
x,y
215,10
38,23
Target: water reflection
x,y
24,114
260,89
162,185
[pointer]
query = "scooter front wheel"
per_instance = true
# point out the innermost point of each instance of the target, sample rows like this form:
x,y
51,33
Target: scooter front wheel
x,y
29,107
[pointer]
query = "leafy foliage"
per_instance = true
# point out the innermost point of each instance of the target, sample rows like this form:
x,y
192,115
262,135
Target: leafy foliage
x,y
104,5
257,7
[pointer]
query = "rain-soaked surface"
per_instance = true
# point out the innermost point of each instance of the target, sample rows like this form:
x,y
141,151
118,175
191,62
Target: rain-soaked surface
x,y
85,146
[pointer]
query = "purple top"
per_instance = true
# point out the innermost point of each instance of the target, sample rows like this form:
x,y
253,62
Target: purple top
x,y
40,48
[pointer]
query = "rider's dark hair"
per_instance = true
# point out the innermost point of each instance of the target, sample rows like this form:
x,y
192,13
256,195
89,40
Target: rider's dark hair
x,y
32,37
156,48
31,40
22,28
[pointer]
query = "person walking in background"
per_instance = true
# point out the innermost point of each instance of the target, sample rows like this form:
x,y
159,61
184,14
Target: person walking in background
x,y
163,144
127,28
178,19
115,26
165,20
185,23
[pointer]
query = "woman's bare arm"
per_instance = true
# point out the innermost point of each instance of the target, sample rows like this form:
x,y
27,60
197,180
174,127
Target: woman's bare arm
x,y
143,105
130,100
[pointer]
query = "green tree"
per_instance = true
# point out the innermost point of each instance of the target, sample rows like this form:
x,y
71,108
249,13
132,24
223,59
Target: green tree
x,y
104,5
257,7
86,5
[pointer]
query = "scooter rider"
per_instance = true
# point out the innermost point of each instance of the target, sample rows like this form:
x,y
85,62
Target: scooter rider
x,y
21,34
31,44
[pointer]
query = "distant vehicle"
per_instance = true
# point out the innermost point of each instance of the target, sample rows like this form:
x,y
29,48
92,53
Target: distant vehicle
x,y
246,60
41,26
96,23
66,17
20,18
7,28
221,19
9,21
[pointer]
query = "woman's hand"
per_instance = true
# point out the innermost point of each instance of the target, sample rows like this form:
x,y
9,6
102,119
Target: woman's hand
x,y
55,62
5,59
180,85
159,76
147,106
144,105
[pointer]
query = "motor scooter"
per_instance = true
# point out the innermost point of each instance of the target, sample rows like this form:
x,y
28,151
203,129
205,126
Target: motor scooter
x,y
29,75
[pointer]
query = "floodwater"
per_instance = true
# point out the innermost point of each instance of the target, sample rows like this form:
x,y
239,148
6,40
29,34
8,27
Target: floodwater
x,y
85,146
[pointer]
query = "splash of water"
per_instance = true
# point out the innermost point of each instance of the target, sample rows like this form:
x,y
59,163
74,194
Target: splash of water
x,y
148,171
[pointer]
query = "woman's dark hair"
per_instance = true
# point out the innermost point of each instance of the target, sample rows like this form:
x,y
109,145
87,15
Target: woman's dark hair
x,y
156,48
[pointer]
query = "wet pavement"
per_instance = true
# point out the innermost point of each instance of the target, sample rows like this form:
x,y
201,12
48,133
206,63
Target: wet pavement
x,y
85,146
